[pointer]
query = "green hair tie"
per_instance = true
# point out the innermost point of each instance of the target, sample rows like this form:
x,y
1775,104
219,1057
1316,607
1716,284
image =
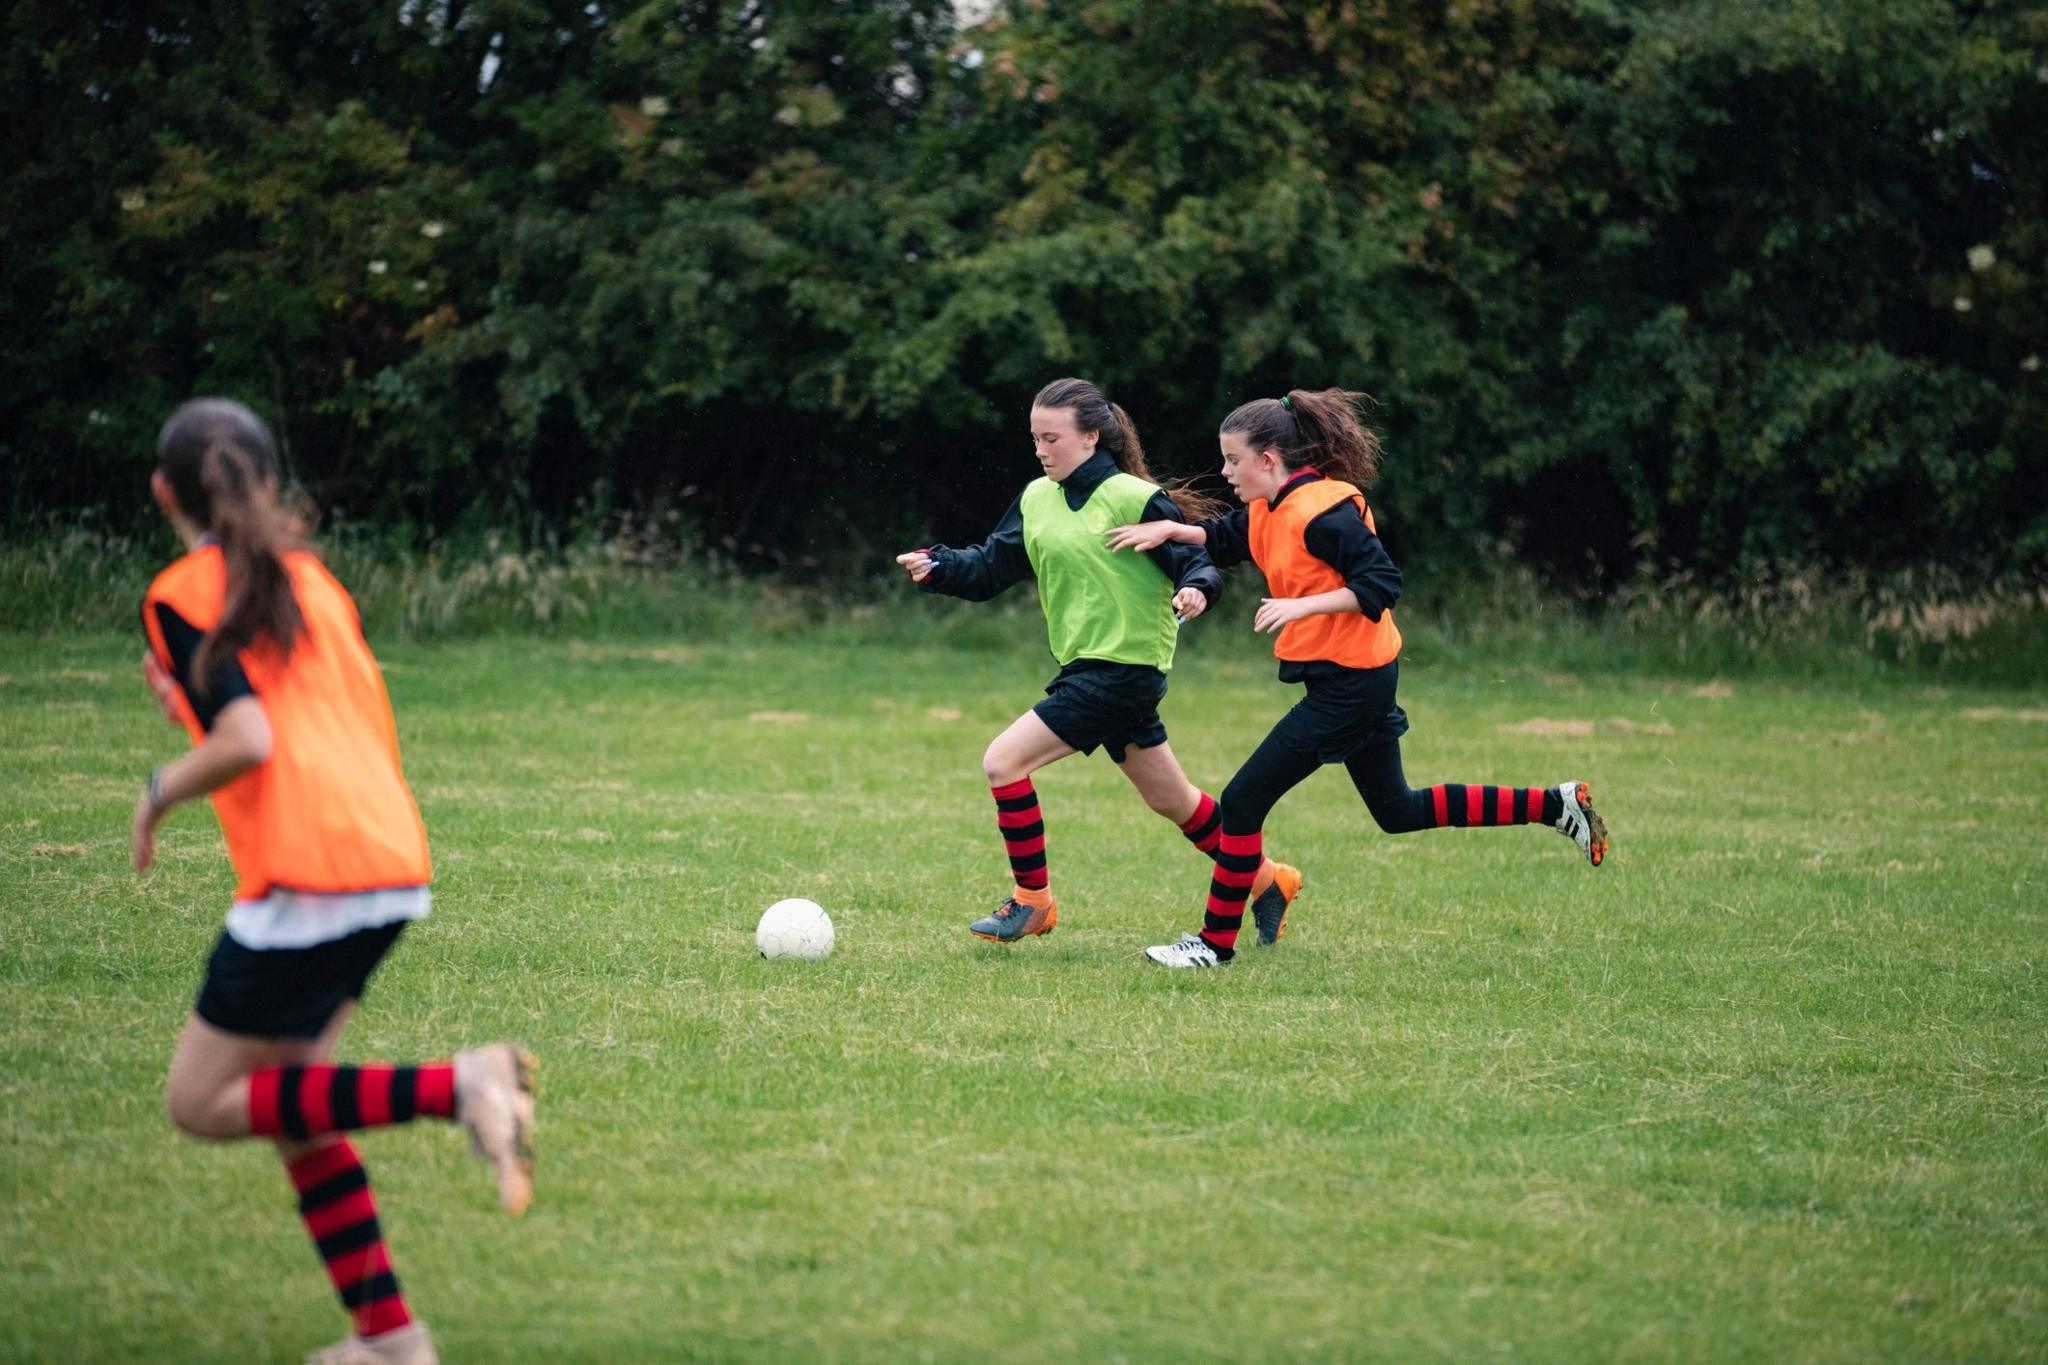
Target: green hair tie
x,y
1287,403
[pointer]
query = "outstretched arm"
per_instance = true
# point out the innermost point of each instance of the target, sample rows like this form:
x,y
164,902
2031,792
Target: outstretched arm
x,y
1150,535
974,572
1227,538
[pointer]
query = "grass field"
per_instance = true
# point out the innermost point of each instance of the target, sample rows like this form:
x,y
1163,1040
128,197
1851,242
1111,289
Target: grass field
x,y
1773,1084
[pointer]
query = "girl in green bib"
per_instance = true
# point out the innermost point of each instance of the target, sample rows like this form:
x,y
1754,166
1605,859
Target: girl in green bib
x,y
1111,621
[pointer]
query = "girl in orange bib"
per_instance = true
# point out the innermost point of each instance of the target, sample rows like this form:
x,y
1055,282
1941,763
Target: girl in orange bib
x,y
1300,465
258,652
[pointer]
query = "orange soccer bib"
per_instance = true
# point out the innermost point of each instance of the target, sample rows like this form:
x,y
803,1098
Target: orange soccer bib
x,y
1347,638
329,811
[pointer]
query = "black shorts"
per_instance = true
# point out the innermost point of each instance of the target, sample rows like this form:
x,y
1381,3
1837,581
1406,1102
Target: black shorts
x,y
1344,709
1110,706
289,992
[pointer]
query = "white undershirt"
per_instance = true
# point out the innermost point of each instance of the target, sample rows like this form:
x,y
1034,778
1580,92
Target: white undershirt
x,y
301,919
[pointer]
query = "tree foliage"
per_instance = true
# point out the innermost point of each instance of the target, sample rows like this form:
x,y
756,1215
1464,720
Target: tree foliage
x,y
1692,285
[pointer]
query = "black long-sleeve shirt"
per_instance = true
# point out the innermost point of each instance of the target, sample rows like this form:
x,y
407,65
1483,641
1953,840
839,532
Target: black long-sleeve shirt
x,y
978,572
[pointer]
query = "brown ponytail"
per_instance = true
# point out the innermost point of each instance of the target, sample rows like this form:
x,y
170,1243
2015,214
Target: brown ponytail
x,y
1320,429
222,467
1119,435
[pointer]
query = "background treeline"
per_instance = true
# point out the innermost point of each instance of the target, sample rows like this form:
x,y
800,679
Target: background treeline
x,y
1643,289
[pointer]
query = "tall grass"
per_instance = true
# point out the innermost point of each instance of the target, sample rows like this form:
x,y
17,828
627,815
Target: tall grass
x,y
630,579
639,579
86,577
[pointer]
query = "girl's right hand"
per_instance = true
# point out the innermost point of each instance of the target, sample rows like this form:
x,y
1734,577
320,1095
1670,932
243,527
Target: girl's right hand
x,y
1144,535
917,564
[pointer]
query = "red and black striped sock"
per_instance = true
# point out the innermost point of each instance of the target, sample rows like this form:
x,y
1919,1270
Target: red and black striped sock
x,y
1237,865
1459,805
1205,827
335,1202
307,1101
1023,829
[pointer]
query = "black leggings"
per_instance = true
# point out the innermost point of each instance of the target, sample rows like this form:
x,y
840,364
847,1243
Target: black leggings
x,y
1375,770
1349,719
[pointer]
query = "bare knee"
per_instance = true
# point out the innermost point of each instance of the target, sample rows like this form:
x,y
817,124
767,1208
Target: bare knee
x,y
1002,769
200,1114
188,1115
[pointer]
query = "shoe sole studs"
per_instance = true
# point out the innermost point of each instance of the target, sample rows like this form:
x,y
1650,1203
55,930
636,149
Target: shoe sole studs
x,y
1596,827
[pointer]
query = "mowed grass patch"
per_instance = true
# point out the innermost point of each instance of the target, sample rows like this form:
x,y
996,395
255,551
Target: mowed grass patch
x,y
1769,1084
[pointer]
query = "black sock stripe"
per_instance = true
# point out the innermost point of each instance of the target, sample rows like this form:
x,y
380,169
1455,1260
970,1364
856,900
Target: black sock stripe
x,y
405,1091
1208,827
1239,862
383,1285
335,1187
1022,833
1028,862
291,1118
1454,804
1017,803
344,1102
1229,895
354,1237
1213,922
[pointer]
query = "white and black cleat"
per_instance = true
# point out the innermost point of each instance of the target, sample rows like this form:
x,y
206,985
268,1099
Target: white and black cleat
x,y
1580,823
1191,951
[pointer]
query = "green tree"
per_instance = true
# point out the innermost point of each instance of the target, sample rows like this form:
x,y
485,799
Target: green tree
x,y
1670,282
1698,285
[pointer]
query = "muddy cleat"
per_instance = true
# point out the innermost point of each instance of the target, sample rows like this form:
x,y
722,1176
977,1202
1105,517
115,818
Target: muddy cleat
x,y
1017,917
1273,890
1191,951
1581,823
494,1100
409,1345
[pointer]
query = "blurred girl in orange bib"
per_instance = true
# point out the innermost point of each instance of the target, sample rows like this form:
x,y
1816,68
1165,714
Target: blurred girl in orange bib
x,y
258,652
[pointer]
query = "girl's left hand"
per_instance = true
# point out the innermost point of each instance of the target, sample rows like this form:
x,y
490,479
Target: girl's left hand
x,y
1189,603
143,839
1275,612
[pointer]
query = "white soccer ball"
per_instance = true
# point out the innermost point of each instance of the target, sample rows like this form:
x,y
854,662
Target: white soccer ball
x,y
794,928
